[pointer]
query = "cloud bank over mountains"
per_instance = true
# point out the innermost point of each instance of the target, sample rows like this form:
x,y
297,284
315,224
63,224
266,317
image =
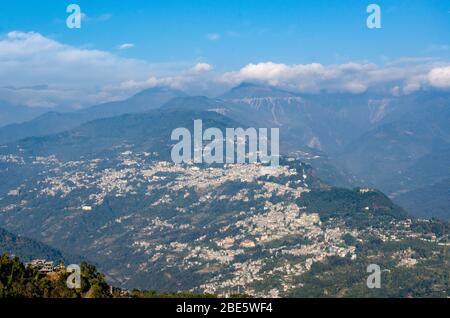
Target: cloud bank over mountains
x,y
440,77
348,78
39,71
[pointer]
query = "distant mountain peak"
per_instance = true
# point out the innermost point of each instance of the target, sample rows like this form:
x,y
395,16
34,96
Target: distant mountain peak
x,y
52,122
191,103
248,84
255,90
159,90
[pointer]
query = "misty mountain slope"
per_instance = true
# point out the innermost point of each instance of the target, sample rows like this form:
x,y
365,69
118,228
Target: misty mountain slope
x,y
325,167
407,156
107,190
426,171
268,107
46,124
330,121
196,103
54,122
27,249
10,114
260,116
143,101
324,121
423,189
430,201
385,153
251,90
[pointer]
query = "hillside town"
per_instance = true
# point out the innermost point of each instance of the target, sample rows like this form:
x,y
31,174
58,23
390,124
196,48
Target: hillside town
x,y
265,232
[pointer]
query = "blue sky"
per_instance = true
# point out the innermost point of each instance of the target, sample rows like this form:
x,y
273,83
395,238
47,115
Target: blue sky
x,y
207,46
326,31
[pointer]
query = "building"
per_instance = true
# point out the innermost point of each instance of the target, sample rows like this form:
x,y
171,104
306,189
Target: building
x,y
248,244
45,266
41,265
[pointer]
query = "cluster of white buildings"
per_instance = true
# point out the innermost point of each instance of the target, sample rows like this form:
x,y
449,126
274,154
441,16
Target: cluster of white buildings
x,y
45,266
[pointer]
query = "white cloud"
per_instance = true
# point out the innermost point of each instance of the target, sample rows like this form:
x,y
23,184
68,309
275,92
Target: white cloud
x,y
74,76
190,79
440,77
126,46
302,77
201,68
80,77
31,57
213,36
350,77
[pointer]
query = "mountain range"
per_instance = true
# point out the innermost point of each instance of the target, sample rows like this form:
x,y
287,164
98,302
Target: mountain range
x,y
107,190
398,144
53,122
100,183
